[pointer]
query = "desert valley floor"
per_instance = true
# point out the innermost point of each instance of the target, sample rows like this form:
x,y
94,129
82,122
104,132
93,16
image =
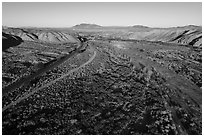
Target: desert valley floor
x,y
90,79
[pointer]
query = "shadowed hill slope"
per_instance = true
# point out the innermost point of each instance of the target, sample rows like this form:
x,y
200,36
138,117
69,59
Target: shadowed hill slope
x,y
10,41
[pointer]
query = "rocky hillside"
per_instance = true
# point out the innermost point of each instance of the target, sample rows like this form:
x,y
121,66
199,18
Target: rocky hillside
x,y
49,36
188,35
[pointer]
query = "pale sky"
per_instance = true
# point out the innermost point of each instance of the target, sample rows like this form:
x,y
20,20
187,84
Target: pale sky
x,y
105,14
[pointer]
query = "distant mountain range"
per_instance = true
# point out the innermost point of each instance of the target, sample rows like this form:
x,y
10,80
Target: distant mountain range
x,y
94,26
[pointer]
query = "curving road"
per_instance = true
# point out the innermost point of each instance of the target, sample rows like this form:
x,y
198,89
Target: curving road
x,y
26,95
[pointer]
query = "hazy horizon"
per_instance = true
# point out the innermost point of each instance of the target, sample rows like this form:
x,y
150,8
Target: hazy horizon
x,y
64,15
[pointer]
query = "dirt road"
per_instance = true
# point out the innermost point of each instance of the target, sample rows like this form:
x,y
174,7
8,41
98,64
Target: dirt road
x,y
26,95
27,79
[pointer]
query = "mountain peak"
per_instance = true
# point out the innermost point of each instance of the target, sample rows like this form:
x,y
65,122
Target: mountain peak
x,y
139,26
86,25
